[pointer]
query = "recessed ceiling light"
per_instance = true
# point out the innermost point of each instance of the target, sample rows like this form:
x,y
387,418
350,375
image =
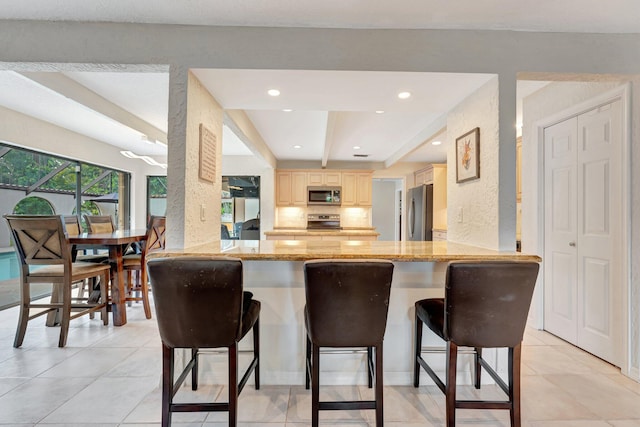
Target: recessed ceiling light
x,y
287,110
297,146
356,147
379,111
436,143
273,92
404,95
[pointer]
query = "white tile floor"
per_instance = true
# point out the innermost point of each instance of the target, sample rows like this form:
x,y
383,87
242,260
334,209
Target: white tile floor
x,y
110,376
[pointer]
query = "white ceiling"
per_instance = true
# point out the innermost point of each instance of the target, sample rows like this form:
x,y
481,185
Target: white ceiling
x,y
330,109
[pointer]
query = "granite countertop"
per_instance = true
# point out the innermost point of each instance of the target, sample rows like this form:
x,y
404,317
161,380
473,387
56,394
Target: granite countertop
x,y
304,250
305,232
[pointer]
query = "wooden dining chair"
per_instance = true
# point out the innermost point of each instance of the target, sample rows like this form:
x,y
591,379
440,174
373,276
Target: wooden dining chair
x,y
100,223
45,257
137,285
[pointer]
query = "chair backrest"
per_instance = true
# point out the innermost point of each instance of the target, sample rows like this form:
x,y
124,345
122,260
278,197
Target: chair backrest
x,y
155,234
72,225
198,300
347,301
100,223
224,232
39,240
487,303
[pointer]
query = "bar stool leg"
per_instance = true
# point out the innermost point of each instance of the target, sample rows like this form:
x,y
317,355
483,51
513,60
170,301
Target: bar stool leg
x,y
167,384
308,363
450,387
194,370
477,358
418,343
370,366
233,385
379,387
315,387
514,385
256,352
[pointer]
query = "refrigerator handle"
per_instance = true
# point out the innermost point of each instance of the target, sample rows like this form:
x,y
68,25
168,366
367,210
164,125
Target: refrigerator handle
x,y
412,217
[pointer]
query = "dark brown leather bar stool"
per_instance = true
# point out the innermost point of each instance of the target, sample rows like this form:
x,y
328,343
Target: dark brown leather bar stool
x,y
485,306
347,306
199,304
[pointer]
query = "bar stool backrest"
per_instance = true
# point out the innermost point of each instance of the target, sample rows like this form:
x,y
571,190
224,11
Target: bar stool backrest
x,y
198,300
487,303
347,301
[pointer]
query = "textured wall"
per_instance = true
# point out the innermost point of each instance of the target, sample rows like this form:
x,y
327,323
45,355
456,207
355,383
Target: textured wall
x,y
478,199
193,207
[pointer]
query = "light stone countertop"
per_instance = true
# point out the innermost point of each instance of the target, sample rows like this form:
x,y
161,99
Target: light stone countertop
x,y
304,250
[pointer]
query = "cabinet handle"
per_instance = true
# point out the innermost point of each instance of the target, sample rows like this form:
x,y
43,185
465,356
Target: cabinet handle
x,y
572,244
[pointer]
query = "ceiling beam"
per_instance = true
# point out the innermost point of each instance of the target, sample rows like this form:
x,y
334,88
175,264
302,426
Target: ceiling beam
x,y
73,90
435,127
328,137
241,125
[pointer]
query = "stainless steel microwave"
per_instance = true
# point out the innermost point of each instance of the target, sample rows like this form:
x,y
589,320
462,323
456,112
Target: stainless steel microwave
x,y
326,196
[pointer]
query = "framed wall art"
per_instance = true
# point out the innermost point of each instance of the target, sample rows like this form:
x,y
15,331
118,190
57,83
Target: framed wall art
x,y
468,156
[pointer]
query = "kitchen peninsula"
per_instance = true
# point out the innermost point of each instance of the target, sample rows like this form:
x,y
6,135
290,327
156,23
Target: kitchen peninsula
x,y
325,235
273,272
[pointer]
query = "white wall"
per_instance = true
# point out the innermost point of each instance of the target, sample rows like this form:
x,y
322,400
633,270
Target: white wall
x,y
478,199
383,211
28,132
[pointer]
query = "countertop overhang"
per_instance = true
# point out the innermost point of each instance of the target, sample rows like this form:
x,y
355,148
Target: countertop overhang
x,y
322,232
303,250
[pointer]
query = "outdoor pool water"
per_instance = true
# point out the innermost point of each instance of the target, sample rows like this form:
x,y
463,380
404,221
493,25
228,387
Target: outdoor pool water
x,y
9,268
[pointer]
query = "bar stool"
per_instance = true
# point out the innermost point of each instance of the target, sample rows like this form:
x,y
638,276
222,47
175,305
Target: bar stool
x,y
347,302
199,304
485,306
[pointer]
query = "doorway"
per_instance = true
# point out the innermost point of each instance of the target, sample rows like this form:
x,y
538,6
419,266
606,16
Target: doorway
x,y
584,229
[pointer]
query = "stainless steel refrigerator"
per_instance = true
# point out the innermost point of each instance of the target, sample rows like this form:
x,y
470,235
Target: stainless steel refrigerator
x,y
420,212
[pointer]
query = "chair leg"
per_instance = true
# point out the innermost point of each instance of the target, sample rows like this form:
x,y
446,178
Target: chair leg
x,y
418,343
450,387
66,314
379,387
233,385
315,386
144,289
514,384
478,367
256,352
104,284
194,370
167,384
308,363
370,366
25,297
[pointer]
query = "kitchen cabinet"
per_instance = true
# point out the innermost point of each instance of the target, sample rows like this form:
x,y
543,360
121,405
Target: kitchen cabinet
x,y
356,188
436,174
291,188
324,177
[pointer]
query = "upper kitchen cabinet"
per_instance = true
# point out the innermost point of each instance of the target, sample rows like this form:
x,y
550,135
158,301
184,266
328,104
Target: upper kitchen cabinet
x,y
324,177
356,188
291,188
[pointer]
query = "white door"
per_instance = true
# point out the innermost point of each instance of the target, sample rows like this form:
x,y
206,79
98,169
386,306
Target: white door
x,y
583,220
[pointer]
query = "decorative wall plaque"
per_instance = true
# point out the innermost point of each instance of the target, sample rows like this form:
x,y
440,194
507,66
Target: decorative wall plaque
x,y
207,154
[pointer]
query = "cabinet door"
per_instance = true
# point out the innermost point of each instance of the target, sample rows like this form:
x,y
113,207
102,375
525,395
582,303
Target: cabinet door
x,y
332,178
315,178
363,189
299,188
349,183
283,188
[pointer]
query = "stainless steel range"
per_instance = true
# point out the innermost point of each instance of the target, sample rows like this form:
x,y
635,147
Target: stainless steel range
x,y
323,222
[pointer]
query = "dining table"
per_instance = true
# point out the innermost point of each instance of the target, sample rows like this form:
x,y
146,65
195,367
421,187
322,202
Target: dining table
x,y
116,242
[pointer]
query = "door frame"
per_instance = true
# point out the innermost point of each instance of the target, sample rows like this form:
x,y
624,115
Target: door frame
x,y
622,93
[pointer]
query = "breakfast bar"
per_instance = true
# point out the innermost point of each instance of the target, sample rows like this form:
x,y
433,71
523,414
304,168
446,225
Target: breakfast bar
x,y
273,271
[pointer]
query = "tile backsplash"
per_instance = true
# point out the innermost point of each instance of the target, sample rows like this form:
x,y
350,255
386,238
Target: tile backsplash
x,y
296,217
